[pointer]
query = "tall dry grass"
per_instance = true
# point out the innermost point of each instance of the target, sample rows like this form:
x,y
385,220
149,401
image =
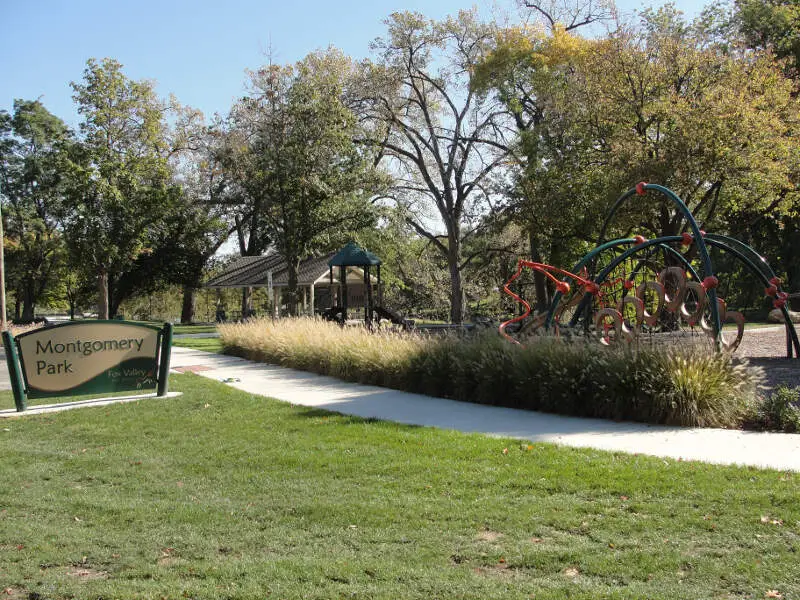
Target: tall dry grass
x,y
651,385
350,353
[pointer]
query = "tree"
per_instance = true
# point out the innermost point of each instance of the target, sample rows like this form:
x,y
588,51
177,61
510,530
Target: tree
x,y
568,16
773,24
294,154
659,103
665,102
121,182
200,222
529,70
77,290
442,140
33,143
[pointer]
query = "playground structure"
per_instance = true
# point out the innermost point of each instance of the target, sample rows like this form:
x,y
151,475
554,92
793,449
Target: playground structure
x,y
353,255
665,288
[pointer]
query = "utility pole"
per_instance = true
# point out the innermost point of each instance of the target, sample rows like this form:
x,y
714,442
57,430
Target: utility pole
x,y
3,323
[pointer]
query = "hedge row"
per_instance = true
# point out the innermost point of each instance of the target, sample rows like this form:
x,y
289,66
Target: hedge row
x,y
650,385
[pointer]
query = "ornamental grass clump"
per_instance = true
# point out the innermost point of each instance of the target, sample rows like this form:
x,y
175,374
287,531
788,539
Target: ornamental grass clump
x,y
680,387
350,353
705,389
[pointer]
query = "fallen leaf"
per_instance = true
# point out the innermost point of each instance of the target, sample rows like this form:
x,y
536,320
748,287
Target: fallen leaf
x,y
505,450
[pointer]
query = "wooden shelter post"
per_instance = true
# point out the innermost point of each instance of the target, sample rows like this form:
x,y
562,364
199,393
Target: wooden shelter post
x,y
367,298
380,290
343,274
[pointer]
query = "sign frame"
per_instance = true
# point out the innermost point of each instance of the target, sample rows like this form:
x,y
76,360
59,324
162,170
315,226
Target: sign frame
x,y
159,361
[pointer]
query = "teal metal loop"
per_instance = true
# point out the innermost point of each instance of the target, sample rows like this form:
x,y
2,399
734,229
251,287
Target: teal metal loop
x,y
595,253
708,268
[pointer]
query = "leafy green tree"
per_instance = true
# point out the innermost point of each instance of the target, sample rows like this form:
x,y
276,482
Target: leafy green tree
x,y
121,188
665,101
197,223
443,142
292,151
78,291
657,103
33,143
773,24
530,70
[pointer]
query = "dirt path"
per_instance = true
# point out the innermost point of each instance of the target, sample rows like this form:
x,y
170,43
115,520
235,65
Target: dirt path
x,y
766,348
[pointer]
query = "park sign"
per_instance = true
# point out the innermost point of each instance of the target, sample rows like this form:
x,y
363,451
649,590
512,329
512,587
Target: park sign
x,y
88,357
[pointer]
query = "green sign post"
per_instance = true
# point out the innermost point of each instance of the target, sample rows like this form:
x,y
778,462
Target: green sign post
x,y
88,357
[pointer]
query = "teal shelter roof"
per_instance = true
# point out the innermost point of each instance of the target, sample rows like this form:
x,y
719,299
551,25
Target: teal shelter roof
x,y
353,255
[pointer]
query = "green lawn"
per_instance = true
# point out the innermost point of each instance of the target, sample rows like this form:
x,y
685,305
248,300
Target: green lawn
x,y
222,494
206,344
176,329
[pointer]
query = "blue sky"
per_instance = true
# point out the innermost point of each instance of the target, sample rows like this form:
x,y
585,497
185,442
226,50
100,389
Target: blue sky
x,y
198,50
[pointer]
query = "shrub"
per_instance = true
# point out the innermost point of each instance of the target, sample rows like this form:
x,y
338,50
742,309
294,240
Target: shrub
x,y
779,411
577,378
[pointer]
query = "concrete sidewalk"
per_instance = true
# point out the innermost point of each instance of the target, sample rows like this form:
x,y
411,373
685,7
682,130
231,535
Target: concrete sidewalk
x,y
773,450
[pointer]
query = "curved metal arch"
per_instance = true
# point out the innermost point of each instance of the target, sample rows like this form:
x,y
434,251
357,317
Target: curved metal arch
x,y
708,268
764,271
758,261
722,245
624,256
594,253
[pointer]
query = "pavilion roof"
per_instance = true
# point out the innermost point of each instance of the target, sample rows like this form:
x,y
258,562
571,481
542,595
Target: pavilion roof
x,y
247,271
353,255
253,271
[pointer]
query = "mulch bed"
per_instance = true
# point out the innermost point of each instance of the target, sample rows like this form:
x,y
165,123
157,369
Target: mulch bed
x,y
766,348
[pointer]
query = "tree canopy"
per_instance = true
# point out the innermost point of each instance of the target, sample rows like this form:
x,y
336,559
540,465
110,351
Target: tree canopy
x,y
292,152
460,144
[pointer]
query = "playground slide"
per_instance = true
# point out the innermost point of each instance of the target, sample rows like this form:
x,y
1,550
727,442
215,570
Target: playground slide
x,y
384,313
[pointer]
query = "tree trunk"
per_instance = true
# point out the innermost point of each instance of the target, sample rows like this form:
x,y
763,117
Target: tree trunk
x,y
28,306
456,289
114,298
187,309
17,306
102,294
539,279
247,296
